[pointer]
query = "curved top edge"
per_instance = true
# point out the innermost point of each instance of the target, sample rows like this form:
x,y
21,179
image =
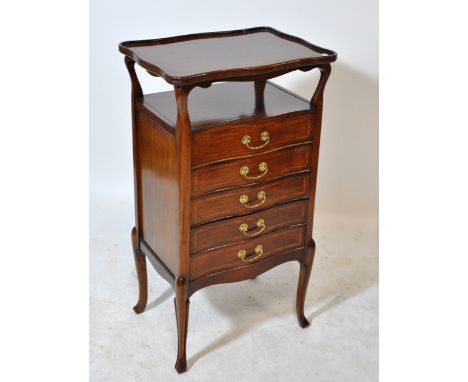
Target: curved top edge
x,y
275,69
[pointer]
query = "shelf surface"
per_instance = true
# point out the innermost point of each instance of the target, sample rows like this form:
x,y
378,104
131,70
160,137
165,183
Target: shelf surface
x,y
217,56
225,102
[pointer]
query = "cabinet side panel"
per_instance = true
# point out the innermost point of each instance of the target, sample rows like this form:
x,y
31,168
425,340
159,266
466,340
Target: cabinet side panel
x,y
159,193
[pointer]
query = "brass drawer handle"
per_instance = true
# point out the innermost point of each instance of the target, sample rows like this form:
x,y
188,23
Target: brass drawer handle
x,y
261,196
241,254
244,228
244,170
264,137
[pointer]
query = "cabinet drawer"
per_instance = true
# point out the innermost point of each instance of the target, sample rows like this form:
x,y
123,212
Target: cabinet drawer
x,y
243,139
228,203
254,250
257,169
248,226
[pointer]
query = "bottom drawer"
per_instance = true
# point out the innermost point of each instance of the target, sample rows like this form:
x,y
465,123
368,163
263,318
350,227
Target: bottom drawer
x,y
248,251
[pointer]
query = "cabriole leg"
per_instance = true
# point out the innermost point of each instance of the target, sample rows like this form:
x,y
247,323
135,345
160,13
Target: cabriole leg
x,y
140,264
304,276
181,303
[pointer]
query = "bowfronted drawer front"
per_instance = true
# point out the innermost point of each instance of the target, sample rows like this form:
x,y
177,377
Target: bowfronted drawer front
x,y
250,170
246,252
245,200
248,226
243,139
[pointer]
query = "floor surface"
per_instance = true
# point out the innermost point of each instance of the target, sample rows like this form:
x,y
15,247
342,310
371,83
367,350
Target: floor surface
x,y
244,331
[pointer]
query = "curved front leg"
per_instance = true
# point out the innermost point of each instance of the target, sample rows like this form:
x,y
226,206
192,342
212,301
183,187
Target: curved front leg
x,y
316,106
140,265
304,276
183,143
181,303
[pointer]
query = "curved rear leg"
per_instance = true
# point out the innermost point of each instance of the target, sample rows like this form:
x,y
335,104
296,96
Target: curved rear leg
x,y
140,264
304,276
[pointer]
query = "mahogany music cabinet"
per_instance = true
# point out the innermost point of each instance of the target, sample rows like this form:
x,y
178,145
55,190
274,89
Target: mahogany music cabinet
x,y
224,178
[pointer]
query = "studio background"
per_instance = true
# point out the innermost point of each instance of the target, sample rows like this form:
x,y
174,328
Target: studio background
x,y
230,325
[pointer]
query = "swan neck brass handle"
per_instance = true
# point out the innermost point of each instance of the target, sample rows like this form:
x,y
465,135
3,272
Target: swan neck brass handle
x,y
244,228
263,167
242,254
264,137
261,196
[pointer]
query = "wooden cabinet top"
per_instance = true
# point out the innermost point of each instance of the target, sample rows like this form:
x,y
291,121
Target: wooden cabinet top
x,y
221,56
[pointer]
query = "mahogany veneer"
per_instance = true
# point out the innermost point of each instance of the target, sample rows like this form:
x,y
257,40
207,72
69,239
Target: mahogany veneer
x,y
225,204
224,179
216,259
227,231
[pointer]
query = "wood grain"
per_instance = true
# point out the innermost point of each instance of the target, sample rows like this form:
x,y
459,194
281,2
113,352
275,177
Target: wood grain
x,y
190,195
160,205
222,258
202,57
227,174
224,103
224,204
227,231
222,145
245,272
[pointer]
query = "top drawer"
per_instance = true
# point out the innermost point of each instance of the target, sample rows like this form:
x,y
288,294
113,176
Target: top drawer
x,y
240,140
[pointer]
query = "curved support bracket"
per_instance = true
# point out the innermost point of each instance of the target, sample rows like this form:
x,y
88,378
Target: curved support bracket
x,y
317,98
137,92
181,94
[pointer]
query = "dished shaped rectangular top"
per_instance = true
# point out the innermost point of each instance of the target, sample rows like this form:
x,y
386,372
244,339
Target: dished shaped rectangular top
x,y
218,56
